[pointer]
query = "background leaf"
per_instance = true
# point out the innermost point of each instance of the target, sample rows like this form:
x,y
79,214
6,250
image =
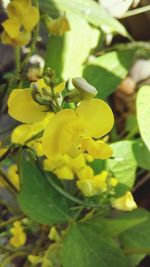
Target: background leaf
x,y
123,165
143,113
67,54
85,246
89,10
136,241
37,198
142,154
107,71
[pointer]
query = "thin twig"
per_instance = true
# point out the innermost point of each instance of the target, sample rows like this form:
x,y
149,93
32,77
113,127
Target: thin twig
x,y
141,182
136,11
8,182
12,220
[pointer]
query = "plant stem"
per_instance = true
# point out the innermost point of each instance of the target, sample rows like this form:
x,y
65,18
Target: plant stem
x,y
9,259
19,217
141,182
8,182
137,11
17,58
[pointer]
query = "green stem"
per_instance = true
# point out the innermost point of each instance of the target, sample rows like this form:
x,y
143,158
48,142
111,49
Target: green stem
x,y
8,182
12,257
69,196
12,220
141,182
137,11
17,58
55,100
4,249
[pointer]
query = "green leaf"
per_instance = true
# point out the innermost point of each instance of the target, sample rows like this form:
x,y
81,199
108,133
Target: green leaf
x,y
85,246
120,223
126,221
136,241
142,154
123,165
66,54
139,235
107,71
89,10
143,113
37,198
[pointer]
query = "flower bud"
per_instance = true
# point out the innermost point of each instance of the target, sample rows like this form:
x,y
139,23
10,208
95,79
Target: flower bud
x,y
125,202
86,90
57,26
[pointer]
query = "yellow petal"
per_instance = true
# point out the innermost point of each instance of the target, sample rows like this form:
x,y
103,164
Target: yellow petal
x,y
30,19
97,117
113,181
23,108
77,163
21,134
57,137
98,150
101,181
41,84
54,235
125,202
64,173
87,187
24,132
58,26
18,7
12,27
22,39
85,173
36,145
59,88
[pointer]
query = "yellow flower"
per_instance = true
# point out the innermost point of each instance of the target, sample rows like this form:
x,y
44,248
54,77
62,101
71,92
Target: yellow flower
x,y
65,167
54,235
18,238
57,26
69,132
22,18
13,175
91,184
65,133
125,202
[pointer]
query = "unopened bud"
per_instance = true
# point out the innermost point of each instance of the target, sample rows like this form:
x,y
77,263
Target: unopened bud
x,y
57,26
86,90
47,80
